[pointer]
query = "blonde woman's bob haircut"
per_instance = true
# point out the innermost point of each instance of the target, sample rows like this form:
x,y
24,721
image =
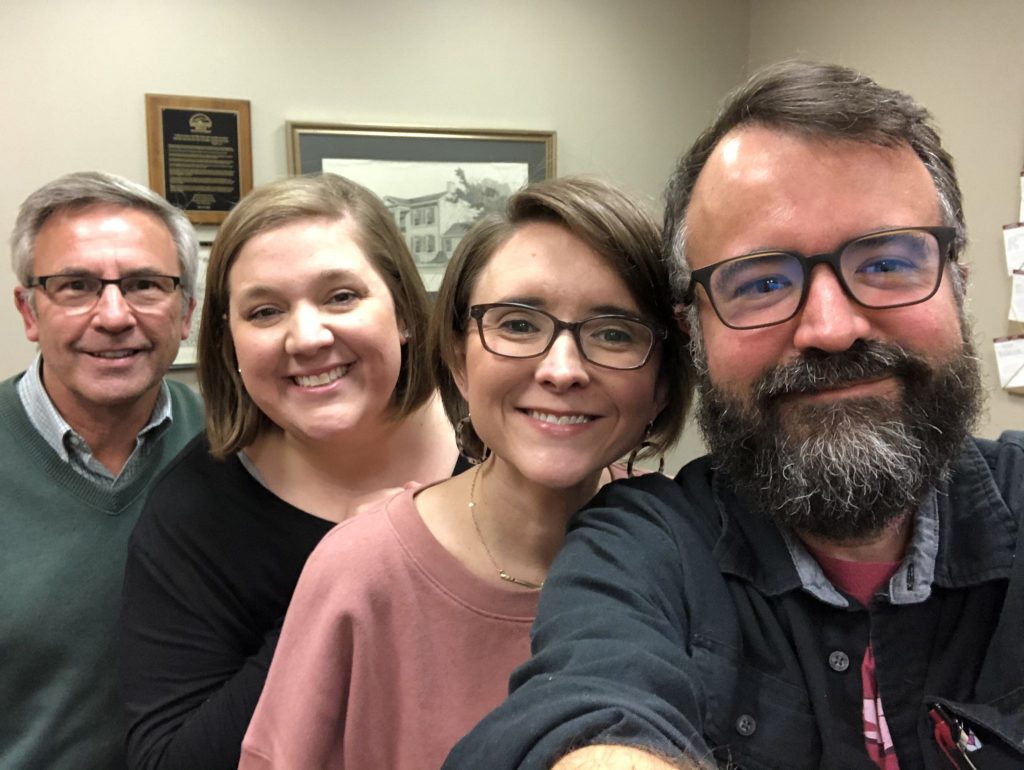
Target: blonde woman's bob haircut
x,y
233,421
620,231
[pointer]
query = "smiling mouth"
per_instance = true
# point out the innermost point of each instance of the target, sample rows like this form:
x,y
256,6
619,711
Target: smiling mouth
x,y
560,419
849,387
113,354
319,380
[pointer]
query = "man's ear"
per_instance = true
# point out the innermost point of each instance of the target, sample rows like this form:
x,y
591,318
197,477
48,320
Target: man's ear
x,y
23,301
682,319
186,323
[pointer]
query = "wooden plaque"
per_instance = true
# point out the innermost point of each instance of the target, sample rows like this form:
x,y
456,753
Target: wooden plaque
x,y
200,153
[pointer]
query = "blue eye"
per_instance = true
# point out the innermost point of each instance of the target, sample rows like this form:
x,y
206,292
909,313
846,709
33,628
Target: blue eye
x,y
762,285
887,265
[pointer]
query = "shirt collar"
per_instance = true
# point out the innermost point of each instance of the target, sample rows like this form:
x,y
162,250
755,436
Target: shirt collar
x,y
912,581
963,534
61,437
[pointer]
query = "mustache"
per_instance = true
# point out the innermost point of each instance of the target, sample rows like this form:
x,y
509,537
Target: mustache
x,y
817,370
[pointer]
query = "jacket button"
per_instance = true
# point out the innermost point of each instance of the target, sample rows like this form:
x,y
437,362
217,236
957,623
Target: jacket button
x,y
839,661
746,725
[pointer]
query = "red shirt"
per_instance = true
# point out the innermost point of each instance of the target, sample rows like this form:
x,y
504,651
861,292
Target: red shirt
x,y
862,580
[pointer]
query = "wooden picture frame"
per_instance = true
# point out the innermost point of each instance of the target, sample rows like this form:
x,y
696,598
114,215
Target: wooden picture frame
x,y
435,181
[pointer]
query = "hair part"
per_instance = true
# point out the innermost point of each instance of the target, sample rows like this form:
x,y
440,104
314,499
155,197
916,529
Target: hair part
x,y
820,101
618,229
84,189
233,420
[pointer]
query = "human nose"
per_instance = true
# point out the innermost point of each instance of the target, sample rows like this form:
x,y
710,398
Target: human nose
x,y
112,311
830,320
306,332
563,366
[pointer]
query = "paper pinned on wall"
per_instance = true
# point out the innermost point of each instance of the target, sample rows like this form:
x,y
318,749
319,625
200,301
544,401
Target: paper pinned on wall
x,y
1017,297
1010,359
1020,216
1013,245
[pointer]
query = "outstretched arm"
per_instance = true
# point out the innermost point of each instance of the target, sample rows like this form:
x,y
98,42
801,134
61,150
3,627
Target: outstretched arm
x,y
614,653
620,758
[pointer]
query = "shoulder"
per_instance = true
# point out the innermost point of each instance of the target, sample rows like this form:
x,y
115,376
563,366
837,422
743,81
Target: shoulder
x,y
1004,459
365,542
193,465
1014,438
659,526
359,558
670,504
194,490
10,401
10,385
11,408
186,406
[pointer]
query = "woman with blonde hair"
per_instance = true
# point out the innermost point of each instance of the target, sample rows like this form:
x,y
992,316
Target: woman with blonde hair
x,y
557,355
319,395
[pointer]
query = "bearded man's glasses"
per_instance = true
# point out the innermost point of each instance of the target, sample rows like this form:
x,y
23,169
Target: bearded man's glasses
x,y
890,268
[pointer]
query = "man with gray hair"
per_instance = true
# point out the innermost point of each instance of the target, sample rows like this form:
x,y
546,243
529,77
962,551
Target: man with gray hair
x,y
835,585
106,271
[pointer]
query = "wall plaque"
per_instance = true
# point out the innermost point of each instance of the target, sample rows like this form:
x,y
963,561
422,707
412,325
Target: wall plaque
x,y
200,153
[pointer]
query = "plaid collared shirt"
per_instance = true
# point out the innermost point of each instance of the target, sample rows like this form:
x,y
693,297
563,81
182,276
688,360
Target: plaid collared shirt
x,y
69,445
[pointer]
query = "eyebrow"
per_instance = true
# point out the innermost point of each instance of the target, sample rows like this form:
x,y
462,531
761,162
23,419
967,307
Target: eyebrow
x,y
594,310
132,273
730,267
882,233
257,290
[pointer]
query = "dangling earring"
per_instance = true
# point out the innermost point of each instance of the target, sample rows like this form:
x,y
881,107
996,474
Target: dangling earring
x,y
644,444
469,443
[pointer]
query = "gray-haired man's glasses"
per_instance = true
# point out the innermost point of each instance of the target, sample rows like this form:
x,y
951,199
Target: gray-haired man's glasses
x,y
514,330
884,269
80,293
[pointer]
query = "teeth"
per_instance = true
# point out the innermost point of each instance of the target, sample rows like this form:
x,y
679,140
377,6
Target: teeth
x,y
114,353
576,419
316,380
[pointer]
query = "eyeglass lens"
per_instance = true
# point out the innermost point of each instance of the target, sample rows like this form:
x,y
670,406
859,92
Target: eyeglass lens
x,y
612,341
83,291
883,270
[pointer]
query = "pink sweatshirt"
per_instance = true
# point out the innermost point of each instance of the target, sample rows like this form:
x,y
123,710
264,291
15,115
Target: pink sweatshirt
x,y
391,651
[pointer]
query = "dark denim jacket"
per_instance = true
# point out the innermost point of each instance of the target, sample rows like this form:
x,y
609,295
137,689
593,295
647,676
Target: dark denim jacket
x,y
677,620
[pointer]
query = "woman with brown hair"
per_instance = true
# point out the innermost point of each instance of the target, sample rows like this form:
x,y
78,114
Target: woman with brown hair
x,y
557,355
319,396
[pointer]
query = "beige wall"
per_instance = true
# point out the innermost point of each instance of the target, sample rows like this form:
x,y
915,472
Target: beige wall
x,y
626,85
965,62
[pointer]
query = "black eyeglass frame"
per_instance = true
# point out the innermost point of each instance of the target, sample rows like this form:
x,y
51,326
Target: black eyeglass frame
x,y
476,312
40,281
943,235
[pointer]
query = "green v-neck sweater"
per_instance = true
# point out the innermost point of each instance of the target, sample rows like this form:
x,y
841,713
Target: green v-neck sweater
x,y
63,540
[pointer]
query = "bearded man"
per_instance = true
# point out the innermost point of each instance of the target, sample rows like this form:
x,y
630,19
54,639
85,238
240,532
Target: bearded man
x,y
834,586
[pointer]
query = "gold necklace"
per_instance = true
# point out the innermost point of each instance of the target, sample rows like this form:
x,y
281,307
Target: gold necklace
x,y
476,525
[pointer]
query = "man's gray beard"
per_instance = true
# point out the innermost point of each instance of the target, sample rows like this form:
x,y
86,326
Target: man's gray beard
x,y
845,469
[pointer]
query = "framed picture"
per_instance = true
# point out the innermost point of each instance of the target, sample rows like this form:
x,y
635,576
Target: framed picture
x,y
435,181
187,354
200,153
